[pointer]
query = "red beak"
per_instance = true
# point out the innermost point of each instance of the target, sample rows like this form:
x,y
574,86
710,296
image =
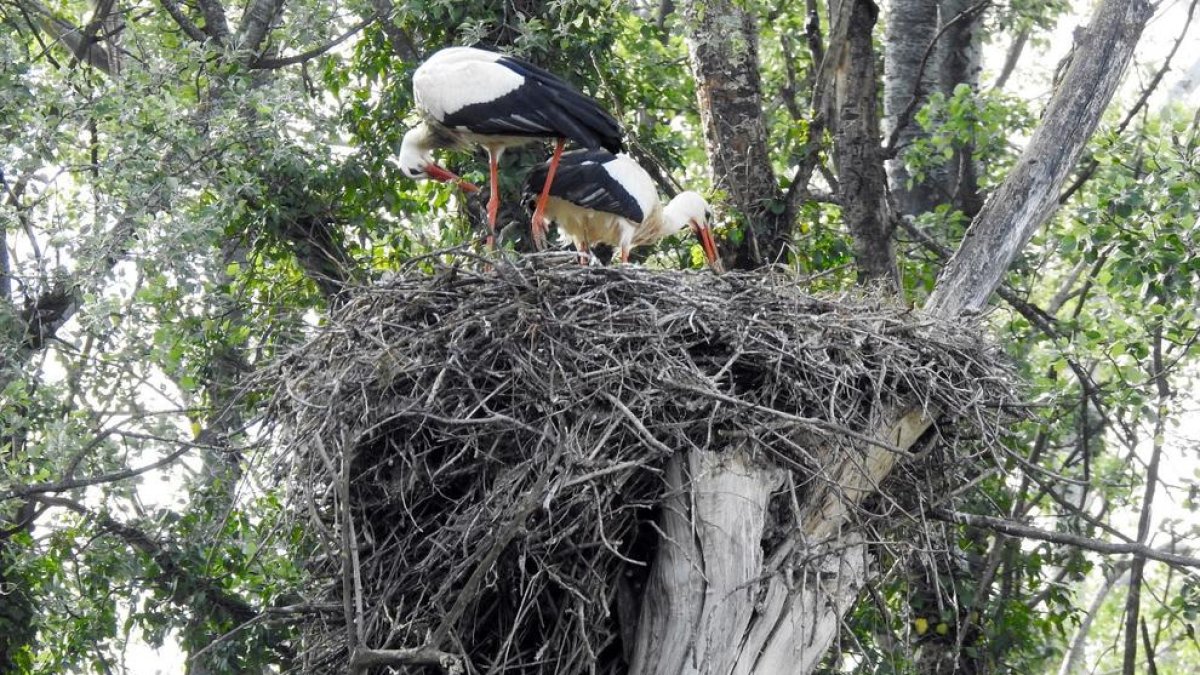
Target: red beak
x,y
704,234
438,173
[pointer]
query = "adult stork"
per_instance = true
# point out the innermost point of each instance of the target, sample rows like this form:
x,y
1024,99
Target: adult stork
x,y
471,96
599,197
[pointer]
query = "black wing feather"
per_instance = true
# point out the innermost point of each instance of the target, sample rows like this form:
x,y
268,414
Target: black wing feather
x,y
582,180
545,106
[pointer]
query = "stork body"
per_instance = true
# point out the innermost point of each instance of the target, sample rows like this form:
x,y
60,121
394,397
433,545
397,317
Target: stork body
x,y
599,197
467,96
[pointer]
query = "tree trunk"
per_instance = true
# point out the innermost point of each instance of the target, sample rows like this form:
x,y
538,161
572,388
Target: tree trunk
x,y
715,603
922,58
857,154
722,38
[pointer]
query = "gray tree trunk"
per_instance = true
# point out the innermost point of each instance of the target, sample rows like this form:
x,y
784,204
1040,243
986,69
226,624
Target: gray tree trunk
x,y
722,38
1029,195
929,46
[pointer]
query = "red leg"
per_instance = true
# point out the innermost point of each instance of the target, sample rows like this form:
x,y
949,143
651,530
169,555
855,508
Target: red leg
x,y
624,255
493,207
585,255
539,213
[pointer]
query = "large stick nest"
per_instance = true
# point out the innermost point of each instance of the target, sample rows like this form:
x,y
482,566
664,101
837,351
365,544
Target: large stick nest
x,y
497,434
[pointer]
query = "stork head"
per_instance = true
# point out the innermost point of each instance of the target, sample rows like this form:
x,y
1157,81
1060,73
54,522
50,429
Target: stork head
x,y
416,159
690,210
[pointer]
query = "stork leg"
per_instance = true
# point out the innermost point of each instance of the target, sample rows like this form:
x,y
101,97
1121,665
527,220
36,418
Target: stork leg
x,y
493,207
538,226
585,254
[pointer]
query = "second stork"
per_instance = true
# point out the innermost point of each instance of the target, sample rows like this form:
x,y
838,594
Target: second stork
x,y
602,198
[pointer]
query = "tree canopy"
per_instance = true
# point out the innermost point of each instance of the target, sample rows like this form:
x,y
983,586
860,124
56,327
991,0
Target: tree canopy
x,y
187,189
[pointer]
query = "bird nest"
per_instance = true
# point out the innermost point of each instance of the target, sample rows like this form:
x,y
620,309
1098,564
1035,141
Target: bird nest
x,y
475,449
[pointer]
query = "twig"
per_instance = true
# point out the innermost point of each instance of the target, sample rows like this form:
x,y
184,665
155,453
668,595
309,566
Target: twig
x,y
1090,169
262,63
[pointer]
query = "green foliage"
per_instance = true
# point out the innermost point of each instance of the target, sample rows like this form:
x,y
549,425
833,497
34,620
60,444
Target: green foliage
x,y
984,124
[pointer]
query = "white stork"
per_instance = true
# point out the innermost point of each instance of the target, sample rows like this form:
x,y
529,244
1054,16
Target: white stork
x,y
471,96
599,197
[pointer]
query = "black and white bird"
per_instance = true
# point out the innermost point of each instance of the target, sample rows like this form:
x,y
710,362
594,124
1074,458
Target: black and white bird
x,y
602,198
467,96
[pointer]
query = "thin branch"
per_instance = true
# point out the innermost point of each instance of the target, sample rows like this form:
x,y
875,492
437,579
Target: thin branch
x,y
1074,655
185,24
798,191
176,581
282,61
811,422
1151,668
1133,598
75,483
1009,527
1010,59
363,658
1090,169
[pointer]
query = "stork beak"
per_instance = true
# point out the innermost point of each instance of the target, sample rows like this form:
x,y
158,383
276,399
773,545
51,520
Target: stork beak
x,y
704,234
438,173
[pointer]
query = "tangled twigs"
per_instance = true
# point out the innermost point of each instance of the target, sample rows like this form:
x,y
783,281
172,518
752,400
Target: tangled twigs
x,y
503,428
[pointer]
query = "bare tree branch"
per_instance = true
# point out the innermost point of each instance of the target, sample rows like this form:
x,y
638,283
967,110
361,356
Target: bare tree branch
x,y
75,483
1021,530
1011,57
181,20
179,583
364,658
1133,599
283,61
85,49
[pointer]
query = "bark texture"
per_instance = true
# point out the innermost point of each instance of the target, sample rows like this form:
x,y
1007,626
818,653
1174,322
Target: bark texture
x,y
929,46
722,38
700,597
857,155
1029,195
706,609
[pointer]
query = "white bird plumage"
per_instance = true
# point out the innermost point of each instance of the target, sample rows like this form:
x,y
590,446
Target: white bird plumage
x,y
467,96
601,198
